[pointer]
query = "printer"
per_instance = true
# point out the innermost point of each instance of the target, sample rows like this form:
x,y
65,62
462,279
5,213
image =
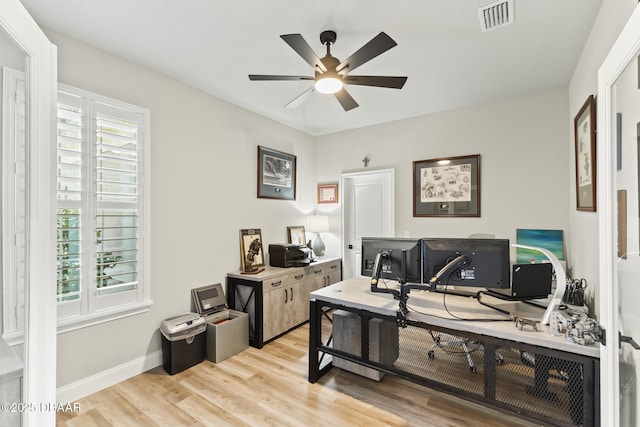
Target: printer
x,y
289,255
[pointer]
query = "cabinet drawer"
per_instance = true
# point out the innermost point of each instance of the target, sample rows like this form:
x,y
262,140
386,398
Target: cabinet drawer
x,y
285,280
316,270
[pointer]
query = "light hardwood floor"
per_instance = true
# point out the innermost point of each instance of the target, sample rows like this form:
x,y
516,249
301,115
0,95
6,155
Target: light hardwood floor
x,y
269,387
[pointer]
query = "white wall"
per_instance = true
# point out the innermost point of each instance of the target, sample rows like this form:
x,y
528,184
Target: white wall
x,y
203,162
524,162
203,191
583,241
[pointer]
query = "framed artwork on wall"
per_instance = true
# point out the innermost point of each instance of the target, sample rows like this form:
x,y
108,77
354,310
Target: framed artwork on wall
x,y
276,174
585,147
251,251
297,235
447,187
328,193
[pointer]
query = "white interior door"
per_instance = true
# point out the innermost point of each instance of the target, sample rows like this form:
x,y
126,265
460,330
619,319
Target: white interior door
x,y
367,211
28,49
618,127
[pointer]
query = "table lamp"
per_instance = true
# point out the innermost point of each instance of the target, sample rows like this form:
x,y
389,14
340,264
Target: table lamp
x,y
561,280
318,224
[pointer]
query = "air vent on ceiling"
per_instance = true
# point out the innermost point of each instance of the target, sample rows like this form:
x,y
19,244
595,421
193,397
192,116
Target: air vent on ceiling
x,y
496,14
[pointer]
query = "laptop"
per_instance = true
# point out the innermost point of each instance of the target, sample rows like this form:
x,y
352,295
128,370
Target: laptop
x,y
528,281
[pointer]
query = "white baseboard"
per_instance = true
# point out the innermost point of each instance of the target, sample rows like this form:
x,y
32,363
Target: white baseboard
x,y
102,380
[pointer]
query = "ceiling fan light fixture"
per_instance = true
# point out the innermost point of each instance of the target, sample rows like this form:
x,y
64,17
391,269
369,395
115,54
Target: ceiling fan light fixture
x,y
329,84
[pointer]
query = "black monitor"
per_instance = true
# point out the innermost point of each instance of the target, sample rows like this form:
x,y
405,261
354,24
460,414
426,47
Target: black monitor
x,y
398,258
482,263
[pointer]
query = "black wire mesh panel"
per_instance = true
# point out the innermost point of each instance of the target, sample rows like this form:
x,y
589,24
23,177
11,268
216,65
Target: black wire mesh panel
x,y
545,385
550,386
448,359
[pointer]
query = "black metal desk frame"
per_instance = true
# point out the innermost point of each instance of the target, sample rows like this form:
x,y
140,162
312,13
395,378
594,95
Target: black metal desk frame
x,y
589,366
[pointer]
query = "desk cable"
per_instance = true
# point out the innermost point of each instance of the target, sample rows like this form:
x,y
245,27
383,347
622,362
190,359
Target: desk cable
x,y
444,303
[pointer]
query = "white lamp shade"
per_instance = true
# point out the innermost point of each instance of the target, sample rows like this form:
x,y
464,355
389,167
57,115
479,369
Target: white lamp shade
x,y
318,223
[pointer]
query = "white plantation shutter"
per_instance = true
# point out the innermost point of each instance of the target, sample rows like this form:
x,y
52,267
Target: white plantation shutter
x,y
117,158
14,202
101,200
69,184
101,190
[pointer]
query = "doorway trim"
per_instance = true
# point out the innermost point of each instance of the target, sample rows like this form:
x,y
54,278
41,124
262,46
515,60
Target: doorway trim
x,y
39,383
389,174
624,50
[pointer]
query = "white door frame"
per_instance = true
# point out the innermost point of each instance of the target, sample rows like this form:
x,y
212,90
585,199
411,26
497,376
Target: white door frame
x,y
625,50
39,383
390,211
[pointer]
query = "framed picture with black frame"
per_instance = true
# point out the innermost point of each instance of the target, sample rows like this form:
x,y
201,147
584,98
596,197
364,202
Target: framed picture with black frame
x,y
585,148
447,187
276,174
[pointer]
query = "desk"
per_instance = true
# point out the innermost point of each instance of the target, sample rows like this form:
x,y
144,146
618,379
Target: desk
x,y
543,377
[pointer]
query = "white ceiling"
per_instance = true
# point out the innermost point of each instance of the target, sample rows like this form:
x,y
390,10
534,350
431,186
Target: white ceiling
x,y
214,44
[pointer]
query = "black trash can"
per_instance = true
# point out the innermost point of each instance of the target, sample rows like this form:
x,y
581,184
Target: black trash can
x,y
183,342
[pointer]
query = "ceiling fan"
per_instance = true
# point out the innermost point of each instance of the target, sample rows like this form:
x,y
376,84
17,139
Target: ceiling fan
x,y
330,74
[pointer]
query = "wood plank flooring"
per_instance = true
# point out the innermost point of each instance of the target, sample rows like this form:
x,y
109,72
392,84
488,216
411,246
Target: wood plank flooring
x,y
269,387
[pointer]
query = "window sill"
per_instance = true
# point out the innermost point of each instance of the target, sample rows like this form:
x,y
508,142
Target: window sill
x,y
87,320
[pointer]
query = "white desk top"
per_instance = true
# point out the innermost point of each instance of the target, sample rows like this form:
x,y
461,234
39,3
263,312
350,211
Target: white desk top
x,y
428,307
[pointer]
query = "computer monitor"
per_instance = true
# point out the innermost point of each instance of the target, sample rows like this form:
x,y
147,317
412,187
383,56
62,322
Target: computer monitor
x,y
481,263
398,258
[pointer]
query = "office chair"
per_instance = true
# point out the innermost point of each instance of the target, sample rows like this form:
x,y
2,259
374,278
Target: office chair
x,y
465,346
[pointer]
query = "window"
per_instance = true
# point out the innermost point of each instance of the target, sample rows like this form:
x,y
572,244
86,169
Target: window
x,y
102,147
102,208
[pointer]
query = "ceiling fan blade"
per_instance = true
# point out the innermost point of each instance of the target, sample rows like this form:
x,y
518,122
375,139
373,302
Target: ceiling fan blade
x,y
272,77
299,100
346,100
379,81
376,46
300,45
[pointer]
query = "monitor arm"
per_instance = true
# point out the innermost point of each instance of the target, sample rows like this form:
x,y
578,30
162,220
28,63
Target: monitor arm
x,y
402,294
451,266
375,277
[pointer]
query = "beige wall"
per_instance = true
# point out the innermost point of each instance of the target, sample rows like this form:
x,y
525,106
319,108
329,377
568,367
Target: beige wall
x,y
583,241
524,172
203,170
203,191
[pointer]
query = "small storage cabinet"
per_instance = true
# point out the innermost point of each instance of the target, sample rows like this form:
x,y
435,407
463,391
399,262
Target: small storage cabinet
x,y
285,303
324,274
277,299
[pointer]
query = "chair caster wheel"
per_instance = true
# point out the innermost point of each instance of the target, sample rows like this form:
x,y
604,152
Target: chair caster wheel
x,y
472,369
431,354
